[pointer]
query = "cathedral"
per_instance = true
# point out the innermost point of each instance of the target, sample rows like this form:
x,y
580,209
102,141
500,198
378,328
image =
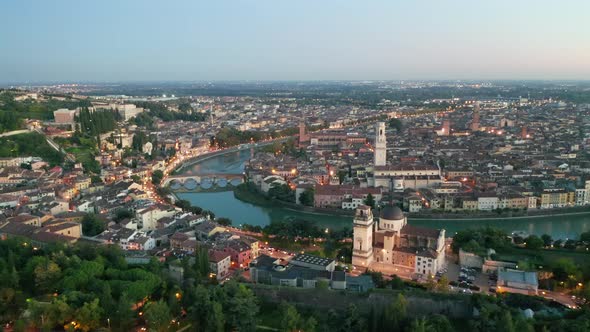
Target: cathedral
x,y
393,243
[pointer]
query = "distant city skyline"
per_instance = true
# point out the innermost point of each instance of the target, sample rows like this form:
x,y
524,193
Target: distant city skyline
x,y
118,41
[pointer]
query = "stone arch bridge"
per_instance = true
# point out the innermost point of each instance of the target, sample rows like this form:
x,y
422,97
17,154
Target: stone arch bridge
x,y
205,181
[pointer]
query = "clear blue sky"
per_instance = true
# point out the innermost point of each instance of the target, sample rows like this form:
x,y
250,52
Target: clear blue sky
x,y
132,40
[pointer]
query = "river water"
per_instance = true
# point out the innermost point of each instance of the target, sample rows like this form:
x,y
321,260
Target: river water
x,y
224,204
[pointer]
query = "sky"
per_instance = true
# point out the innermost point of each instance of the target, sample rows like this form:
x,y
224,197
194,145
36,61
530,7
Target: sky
x,y
196,40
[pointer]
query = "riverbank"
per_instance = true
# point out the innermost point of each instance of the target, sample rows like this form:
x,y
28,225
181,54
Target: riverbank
x,y
534,215
257,198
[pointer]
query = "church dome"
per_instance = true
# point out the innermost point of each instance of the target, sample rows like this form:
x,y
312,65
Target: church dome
x,y
391,213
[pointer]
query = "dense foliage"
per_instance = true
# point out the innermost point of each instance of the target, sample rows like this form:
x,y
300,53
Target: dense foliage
x,y
80,287
479,240
92,225
160,111
30,144
98,122
33,109
9,121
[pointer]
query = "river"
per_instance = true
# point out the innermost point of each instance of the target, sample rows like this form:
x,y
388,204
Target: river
x,y
224,204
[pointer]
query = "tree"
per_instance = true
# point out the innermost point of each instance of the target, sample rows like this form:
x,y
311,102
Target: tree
x,y
290,317
240,307
522,324
534,242
439,323
122,316
89,316
157,177
310,324
442,285
92,225
216,320
563,268
183,204
95,179
547,240
322,284
395,313
370,201
342,176
353,321
47,274
505,322
224,221
123,214
157,316
396,282
200,309
570,244
307,197
395,124
418,325
49,315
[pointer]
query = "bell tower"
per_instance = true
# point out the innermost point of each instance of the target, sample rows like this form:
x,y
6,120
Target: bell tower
x,y
380,144
363,226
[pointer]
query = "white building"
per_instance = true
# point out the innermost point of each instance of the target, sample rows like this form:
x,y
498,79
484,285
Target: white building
x,y
380,145
393,243
127,111
149,216
219,262
487,202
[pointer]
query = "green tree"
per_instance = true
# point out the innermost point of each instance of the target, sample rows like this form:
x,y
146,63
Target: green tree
x,y
563,268
216,320
395,313
418,325
291,319
122,317
88,317
370,201
439,323
157,177
522,324
353,321
240,307
395,124
547,240
224,221
322,284
47,274
310,324
505,322
397,283
200,306
123,214
534,242
157,316
307,197
442,285
92,225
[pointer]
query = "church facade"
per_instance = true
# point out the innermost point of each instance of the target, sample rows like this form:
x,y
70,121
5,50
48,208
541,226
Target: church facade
x,y
391,242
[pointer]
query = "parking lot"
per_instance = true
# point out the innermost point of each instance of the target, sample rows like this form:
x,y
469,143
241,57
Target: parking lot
x,y
468,280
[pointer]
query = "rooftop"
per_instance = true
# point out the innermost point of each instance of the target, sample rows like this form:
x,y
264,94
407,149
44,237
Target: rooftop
x,y
310,259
